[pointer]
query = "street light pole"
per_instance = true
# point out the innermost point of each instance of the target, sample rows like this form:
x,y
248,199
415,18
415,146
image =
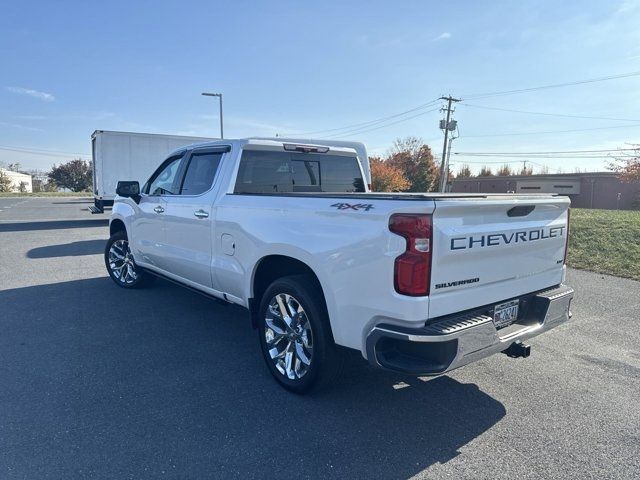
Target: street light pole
x,y
219,95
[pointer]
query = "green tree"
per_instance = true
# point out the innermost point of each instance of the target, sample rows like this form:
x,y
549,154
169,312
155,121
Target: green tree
x,y
5,182
485,172
464,172
74,175
414,158
22,188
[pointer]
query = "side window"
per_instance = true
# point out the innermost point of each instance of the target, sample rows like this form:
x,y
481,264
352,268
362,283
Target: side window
x,y
163,182
200,173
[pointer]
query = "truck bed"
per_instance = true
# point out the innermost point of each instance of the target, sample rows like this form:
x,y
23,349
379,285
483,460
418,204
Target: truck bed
x,y
406,196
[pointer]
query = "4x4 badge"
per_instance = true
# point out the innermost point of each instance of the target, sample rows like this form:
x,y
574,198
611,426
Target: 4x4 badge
x,y
354,206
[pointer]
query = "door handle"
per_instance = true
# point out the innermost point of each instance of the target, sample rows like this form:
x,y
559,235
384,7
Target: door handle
x,y
158,209
201,213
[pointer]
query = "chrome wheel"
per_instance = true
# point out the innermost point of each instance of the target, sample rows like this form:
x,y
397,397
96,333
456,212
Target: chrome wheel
x,y
121,263
288,335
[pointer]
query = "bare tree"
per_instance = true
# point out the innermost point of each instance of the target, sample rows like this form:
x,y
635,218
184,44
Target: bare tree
x,y
464,172
504,171
526,170
485,172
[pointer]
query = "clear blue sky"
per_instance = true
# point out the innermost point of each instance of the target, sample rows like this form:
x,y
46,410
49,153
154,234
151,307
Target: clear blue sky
x,y
68,68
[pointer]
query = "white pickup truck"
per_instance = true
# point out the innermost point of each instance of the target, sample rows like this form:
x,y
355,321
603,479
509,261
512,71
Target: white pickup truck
x,y
418,283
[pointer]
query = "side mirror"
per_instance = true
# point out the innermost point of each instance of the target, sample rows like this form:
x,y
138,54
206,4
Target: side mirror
x,y
128,189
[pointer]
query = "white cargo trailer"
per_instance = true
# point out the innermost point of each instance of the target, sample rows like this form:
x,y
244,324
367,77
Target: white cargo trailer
x,y
128,156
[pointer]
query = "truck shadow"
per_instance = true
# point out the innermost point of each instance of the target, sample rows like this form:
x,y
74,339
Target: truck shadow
x,y
52,225
121,382
73,249
74,201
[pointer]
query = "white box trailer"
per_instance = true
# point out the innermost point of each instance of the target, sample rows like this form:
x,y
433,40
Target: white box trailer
x,y
128,156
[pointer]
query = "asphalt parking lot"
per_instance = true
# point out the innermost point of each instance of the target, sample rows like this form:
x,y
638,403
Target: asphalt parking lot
x,y
96,381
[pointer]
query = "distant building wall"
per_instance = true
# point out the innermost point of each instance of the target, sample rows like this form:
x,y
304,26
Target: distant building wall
x,y
17,178
586,190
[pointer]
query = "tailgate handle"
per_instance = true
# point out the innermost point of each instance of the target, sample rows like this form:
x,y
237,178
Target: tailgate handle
x,y
520,210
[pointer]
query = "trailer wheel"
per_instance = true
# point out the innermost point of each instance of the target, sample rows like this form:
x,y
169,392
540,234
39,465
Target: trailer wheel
x,y
121,265
295,336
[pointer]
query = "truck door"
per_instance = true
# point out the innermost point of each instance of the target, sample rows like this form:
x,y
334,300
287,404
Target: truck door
x,y
189,219
149,237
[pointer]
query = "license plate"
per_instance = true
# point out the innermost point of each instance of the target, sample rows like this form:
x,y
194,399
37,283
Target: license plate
x,y
505,313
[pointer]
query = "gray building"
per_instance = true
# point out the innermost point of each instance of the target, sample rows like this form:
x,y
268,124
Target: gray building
x,y
586,190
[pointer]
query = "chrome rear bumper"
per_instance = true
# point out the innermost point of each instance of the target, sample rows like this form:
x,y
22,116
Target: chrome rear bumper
x,y
456,340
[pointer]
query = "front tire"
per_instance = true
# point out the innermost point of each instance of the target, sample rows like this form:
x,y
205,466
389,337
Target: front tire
x,y
120,264
295,335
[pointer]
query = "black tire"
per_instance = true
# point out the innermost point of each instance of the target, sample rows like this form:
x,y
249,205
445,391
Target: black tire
x,y
130,275
326,358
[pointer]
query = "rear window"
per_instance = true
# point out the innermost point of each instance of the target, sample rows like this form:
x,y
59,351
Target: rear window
x,y
285,172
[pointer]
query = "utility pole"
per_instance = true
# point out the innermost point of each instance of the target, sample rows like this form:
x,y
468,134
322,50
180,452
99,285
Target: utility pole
x,y
219,95
446,165
446,125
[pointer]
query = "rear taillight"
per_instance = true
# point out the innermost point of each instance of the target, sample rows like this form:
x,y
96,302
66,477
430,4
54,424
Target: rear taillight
x,y
412,272
566,240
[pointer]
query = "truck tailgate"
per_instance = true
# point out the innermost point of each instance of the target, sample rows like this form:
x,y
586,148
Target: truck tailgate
x,y
493,249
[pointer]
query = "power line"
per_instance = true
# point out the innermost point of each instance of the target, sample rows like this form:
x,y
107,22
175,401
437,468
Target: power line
x,y
553,155
370,122
503,162
550,132
528,157
557,151
40,151
359,130
550,114
555,85
537,156
506,163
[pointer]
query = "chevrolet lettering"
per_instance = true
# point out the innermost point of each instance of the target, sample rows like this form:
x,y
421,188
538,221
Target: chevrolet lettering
x,y
496,239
